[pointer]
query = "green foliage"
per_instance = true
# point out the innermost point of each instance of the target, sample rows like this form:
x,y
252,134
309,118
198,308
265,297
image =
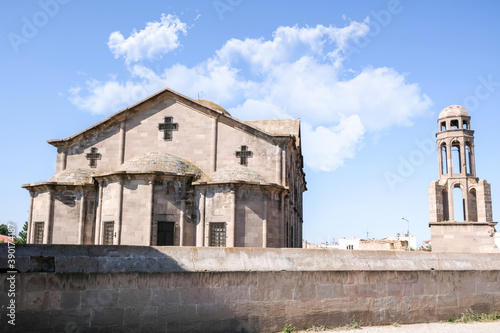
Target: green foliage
x,y
289,329
4,230
23,235
354,324
469,316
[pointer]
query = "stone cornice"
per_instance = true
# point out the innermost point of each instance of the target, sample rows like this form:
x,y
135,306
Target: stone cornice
x,y
51,186
271,186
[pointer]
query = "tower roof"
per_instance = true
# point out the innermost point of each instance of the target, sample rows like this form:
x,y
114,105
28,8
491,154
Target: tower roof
x,y
453,111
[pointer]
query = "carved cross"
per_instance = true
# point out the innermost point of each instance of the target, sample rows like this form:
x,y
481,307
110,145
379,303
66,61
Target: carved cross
x,y
167,127
93,156
243,155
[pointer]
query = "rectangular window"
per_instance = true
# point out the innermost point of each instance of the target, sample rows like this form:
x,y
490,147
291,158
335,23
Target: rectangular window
x,y
165,234
218,234
38,235
107,236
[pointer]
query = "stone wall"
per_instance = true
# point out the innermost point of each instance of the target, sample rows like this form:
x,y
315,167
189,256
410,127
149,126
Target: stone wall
x,y
463,237
172,289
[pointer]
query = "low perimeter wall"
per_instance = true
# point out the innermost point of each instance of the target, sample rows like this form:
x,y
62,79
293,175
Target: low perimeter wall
x,y
61,288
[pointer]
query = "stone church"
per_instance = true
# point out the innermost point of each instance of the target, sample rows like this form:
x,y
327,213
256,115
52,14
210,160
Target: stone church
x,y
469,227
171,170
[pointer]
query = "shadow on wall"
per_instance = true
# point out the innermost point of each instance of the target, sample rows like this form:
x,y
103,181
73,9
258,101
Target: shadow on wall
x,y
74,288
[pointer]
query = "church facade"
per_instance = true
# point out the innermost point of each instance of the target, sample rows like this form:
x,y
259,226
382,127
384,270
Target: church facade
x,y
171,170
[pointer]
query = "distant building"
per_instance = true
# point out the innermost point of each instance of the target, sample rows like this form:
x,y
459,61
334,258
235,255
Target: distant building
x,y
5,239
411,240
384,244
349,243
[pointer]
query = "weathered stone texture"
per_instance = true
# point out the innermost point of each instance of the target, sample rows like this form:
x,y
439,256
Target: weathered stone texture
x,y
191,178
244,289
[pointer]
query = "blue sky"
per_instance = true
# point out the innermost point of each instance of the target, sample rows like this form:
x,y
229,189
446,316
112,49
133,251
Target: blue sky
x,y
367,78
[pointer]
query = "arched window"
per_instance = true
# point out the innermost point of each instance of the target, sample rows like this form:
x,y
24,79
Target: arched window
x,y
458,205
446,207
457,163
444,160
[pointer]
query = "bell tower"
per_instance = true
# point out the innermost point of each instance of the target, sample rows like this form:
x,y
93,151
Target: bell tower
x,y
461,218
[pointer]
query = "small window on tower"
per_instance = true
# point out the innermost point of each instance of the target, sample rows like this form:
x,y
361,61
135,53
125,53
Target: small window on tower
x,y
454,124
443,126
465,125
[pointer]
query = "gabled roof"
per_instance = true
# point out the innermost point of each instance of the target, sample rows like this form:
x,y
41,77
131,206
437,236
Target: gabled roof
x,y
278,127
200,104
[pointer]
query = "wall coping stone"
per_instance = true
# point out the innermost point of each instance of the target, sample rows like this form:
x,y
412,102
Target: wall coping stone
x,y
164,259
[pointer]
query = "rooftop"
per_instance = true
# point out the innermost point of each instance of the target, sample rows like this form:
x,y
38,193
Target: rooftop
x,y
453,111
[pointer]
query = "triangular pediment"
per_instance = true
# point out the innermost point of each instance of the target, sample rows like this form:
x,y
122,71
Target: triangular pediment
x,y
207,107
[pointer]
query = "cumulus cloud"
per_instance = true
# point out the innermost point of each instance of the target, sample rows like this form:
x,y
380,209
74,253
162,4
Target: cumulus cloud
x,y
156,39
326,148
298,73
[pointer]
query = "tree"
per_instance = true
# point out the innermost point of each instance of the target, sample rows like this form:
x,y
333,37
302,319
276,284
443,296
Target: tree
x,y
4,230
23,235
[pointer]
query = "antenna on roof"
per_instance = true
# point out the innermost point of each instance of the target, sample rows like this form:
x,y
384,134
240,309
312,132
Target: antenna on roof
x,y
199,93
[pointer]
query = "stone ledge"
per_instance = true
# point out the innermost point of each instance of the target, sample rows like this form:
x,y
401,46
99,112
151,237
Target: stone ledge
x,y
157,259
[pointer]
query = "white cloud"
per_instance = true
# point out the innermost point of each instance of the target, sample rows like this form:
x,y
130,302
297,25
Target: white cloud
x,y
292,43
299,73
326,148
156,39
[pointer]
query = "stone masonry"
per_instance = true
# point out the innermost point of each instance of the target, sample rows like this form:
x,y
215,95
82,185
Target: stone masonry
x,y
64,288
171,170
469,227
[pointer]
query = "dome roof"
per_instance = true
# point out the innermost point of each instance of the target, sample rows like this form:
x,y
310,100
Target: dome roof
x,y
237,173
77,176
453,111
212,105
159,162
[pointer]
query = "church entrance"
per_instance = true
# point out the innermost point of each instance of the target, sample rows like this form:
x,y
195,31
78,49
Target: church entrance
x,y
165,234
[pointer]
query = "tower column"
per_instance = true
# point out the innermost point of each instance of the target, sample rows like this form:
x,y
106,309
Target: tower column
x,y
472,160
463,160
450,204
449,148
465,200
440,159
